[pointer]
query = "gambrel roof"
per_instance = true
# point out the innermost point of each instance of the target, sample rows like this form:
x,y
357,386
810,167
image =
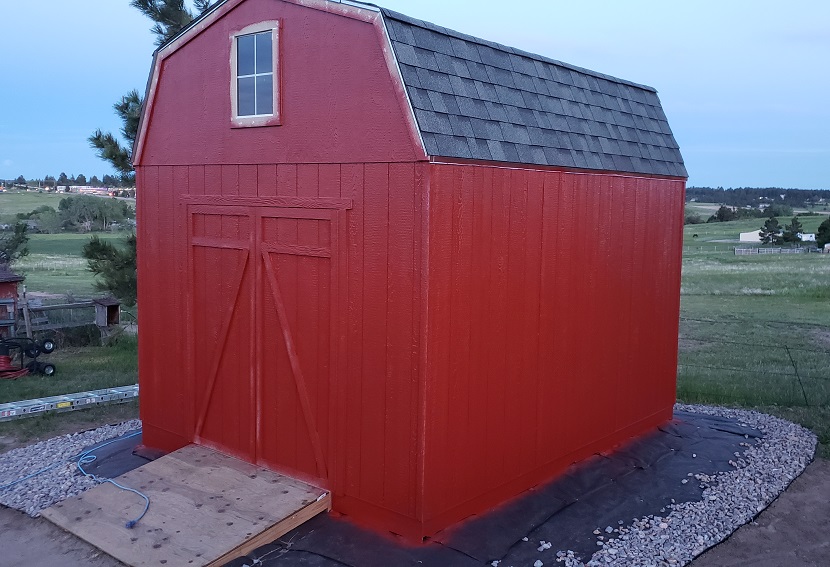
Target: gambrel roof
x,y
475,99
480,100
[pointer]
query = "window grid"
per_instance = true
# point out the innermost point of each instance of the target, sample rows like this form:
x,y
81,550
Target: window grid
x,y
255,75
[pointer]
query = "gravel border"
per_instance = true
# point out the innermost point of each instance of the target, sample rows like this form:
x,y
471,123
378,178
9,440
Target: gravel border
x,y
62,480
730,499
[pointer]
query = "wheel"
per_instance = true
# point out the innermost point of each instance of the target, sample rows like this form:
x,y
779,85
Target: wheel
x,y
32,351
47,369
47,346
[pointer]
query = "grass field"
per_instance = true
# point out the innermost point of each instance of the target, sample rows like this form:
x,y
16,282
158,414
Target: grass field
x,y
13,202
55,265
755,330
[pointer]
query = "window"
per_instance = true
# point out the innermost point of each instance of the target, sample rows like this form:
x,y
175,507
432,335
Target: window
x,y
254,76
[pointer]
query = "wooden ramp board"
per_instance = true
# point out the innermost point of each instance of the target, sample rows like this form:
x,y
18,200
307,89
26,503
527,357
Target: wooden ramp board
x,y
205,509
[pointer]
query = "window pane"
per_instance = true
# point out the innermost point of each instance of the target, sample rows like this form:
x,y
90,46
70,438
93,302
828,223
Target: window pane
x,y
264,53
265,94
245,55
245,96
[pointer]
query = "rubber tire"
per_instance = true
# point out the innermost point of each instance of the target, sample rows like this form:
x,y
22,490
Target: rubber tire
x,y
48,369
47,346
32,351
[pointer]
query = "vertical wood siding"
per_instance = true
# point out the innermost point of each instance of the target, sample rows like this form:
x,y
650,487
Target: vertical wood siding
x,y
213,360
553,310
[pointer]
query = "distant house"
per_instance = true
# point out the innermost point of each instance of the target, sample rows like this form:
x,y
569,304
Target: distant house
x,y
753,236
807,237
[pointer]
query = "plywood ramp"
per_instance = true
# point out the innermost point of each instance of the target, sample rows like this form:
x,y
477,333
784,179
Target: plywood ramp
x,y
205,509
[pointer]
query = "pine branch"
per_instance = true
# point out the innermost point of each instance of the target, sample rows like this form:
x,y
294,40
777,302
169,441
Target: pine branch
x,y
109,149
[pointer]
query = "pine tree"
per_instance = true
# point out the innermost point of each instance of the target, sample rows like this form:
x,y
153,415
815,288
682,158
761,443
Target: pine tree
x,y
116,266
792,231
170,17
823,233
771,232
13,244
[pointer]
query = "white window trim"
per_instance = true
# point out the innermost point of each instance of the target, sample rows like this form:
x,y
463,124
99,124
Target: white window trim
x,y
259,120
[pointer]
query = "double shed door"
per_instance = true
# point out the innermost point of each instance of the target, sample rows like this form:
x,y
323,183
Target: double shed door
x,y
263,321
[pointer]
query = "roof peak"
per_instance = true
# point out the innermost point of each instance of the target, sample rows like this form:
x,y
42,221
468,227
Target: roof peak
x,y
516,51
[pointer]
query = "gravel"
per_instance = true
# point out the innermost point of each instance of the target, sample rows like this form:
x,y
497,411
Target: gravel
x,y
62,480
763,470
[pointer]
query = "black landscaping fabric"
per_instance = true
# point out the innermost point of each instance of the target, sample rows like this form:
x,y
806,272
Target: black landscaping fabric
x,y
638,479
116,458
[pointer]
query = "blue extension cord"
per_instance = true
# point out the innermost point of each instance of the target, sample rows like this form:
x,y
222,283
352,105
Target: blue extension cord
x,y
86,458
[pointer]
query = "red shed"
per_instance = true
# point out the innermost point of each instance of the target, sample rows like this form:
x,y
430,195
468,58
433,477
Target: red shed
x,y
423,270
8,300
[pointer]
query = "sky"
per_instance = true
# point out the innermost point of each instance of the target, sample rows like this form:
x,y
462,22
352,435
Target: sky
x,y
745,84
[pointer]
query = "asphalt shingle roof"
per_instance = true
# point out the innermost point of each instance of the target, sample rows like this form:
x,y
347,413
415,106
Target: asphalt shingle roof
x,y
480,100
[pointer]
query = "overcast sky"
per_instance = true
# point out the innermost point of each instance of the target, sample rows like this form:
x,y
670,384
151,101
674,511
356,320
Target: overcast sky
x,y
745,84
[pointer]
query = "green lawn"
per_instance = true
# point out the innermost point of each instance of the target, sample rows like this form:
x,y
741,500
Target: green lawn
x,y
13,202
55,265
755,330
79,369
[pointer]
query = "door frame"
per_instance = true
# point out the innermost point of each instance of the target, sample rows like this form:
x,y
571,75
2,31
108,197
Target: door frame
x,y
257,208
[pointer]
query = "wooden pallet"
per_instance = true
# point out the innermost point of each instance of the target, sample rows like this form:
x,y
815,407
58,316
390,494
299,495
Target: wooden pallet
x,y
205,509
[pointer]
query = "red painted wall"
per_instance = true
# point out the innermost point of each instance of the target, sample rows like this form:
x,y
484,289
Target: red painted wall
x,y
336,94
423,339
553,314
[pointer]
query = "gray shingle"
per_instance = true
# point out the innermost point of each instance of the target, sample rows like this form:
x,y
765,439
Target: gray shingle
x,y
509,96
500,77
465,50
455,146
472,107
523,82
420,98
437,101
523,65
486,129
486,91
434,81
496,111
434,122
461,126
478,71
478,99
464,87
494,57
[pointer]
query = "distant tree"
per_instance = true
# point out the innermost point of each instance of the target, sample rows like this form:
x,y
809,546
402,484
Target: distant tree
x,y
81,179
63,179
111,181
20,180
778,210
115,266
13,243
169,17
823,233
771,232
792,231
692,218
723,214
49,221
49,181
94,181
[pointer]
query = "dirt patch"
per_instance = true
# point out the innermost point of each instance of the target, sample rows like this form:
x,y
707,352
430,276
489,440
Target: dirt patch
x,y
29,541
792,531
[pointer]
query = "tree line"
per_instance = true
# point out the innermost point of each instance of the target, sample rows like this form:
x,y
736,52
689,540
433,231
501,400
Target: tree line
x,y
754,196
78,213
63,180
